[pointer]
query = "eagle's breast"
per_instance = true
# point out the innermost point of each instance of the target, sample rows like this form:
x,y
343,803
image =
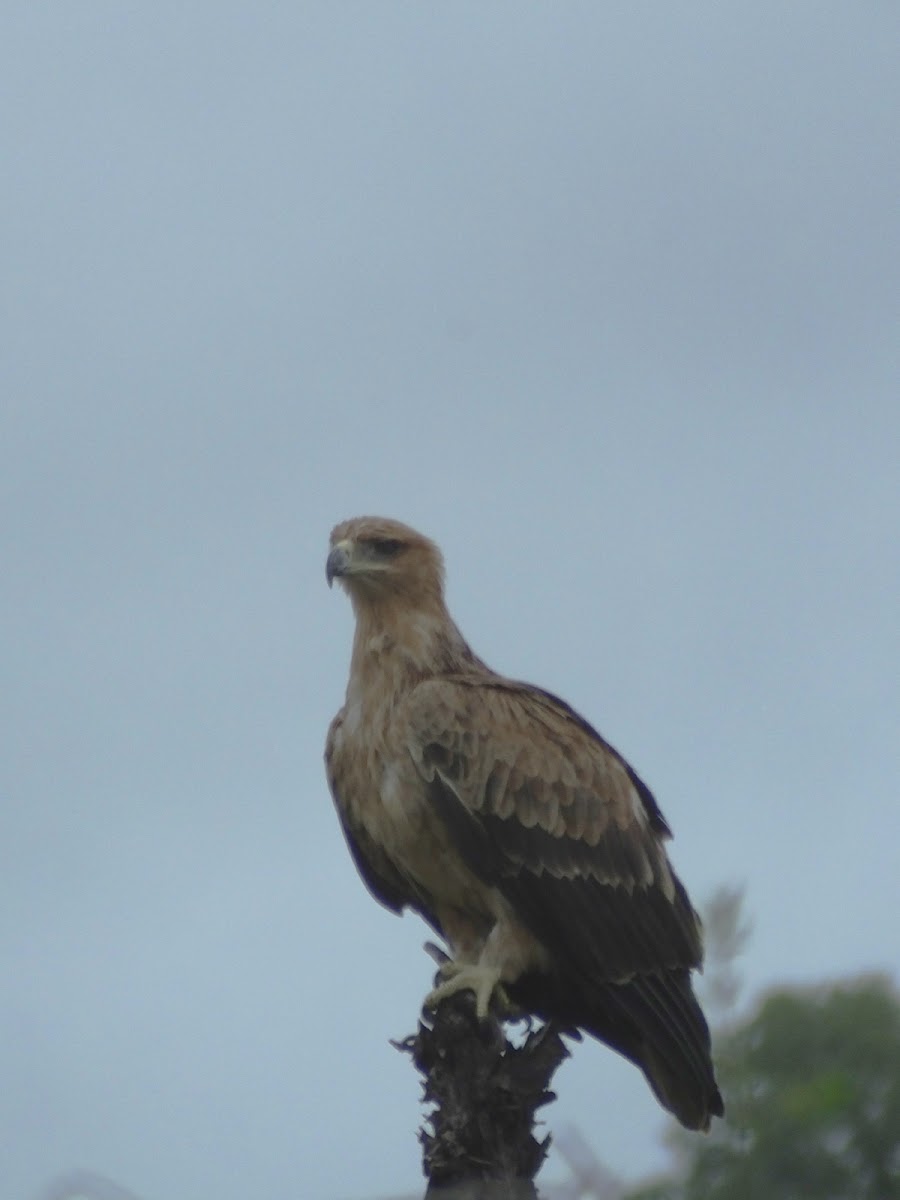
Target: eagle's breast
x,y
382,792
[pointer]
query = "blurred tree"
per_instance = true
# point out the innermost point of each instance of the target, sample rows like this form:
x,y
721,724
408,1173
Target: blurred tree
x,y
726,931
812,1095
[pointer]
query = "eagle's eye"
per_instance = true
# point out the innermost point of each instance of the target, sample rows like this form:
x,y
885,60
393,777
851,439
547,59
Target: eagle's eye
x,y
386,547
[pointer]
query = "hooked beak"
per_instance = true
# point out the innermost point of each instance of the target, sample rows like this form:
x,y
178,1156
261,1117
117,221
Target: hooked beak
x,y
338,562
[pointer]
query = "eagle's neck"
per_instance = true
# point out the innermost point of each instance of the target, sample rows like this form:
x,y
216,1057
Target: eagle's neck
x,y
395,647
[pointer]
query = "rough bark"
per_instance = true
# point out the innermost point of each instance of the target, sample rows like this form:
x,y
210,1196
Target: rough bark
x,y
478,1141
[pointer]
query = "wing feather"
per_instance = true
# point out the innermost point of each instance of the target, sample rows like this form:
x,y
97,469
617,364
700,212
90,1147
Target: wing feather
x,y
546,811
557,820
375,868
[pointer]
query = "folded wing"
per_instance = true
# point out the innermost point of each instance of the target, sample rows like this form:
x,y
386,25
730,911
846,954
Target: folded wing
x,y
546,811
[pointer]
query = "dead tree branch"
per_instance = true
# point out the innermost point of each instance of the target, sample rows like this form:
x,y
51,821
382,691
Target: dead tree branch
x,y
478,1140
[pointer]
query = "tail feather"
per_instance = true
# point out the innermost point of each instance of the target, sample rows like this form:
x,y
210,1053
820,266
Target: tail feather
x,y
654,1020
672,1043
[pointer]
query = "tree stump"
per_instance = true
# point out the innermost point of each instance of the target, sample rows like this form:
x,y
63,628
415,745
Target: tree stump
x,y
478,1141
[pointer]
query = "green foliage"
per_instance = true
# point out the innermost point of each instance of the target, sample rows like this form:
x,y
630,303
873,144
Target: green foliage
x,y
812,1093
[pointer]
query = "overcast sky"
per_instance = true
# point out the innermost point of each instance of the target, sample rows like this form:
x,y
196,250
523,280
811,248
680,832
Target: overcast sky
x,y
604,298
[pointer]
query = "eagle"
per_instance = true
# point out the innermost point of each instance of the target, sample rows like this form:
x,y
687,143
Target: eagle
x,y
503,818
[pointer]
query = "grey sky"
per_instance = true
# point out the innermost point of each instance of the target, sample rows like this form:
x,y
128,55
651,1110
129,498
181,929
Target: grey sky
x,y
605,299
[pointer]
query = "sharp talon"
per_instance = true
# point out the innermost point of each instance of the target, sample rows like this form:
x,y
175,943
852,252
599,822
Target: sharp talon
x,y
459,977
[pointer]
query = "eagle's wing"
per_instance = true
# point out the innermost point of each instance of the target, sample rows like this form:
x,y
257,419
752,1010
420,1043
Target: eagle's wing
x,y
376,869
545,810
554,817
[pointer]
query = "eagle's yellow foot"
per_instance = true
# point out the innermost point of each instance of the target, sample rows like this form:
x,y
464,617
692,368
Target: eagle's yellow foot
x,y
460,977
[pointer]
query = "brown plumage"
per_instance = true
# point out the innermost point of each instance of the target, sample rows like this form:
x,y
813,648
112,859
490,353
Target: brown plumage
x,y
518,833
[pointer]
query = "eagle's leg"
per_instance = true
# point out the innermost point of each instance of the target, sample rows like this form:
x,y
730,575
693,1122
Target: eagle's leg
x,y
480,978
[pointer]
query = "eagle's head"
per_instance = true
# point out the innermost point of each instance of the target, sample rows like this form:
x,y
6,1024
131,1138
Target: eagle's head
x,y
379,560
